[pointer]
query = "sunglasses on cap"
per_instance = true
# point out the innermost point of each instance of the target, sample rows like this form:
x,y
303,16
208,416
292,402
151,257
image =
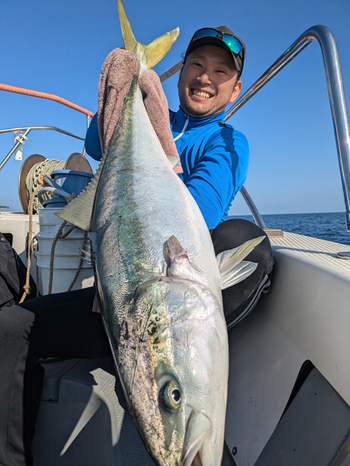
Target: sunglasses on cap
x,y
232,42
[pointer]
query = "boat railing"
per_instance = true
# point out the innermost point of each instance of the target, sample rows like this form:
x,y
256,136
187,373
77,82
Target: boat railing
x,y
22,132
336,95
21,135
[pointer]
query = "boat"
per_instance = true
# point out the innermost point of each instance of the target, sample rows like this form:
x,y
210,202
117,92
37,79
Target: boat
x,y
289,384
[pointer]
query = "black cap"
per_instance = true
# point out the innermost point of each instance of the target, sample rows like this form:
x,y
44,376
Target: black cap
x,y
238,59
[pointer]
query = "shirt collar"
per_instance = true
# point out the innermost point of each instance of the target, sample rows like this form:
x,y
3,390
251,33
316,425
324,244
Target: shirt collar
x,y
181,117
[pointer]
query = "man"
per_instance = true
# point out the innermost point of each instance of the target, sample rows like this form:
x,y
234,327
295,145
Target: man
x,y
214,156
214,159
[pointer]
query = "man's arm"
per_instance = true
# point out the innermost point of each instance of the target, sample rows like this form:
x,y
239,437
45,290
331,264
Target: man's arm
x,y
219,174
92,139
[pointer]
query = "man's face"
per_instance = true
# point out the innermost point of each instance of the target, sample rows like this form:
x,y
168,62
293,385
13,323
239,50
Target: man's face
x,y
207,82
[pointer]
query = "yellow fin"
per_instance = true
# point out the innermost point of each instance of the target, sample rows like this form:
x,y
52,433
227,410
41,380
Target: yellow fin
x,y
128,36
149,55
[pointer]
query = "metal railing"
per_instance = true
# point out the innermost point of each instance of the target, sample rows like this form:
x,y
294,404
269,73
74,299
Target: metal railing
x,y
21,137
336,95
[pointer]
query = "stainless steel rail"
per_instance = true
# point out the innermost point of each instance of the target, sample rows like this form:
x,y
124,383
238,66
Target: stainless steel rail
x,y
22,137
336,95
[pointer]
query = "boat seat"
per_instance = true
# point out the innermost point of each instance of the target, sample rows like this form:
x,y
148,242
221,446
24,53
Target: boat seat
x,y
82,418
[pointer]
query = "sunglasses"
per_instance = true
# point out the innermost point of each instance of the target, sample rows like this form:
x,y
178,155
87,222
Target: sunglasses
x,y
233,44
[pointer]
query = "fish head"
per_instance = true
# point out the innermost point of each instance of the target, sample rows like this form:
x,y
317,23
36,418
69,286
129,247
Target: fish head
x,y
177,386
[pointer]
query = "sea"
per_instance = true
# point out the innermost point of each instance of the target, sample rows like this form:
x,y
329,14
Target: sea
x,y
329,226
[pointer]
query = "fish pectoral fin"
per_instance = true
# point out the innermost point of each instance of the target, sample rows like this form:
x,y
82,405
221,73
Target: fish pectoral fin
x,y
179,265
232,269
198,428
174,249
150,54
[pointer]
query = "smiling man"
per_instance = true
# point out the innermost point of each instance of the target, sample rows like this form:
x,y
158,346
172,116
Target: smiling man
x,y
214,156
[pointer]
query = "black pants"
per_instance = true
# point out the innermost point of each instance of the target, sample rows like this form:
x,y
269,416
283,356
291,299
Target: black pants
x,y
63,325
240,299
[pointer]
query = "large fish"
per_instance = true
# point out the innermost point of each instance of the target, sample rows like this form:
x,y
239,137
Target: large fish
x,y
159,285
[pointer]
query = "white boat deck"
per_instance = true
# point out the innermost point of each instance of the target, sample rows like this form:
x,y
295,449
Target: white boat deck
x,y
315,250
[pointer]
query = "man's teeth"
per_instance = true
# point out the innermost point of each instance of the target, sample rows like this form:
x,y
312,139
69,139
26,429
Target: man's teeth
x,y
203,94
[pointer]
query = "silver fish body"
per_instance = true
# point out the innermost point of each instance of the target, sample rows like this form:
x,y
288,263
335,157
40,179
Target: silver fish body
x,y
162,310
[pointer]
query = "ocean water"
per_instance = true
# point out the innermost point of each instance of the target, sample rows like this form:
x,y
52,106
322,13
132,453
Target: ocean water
x,y
328,226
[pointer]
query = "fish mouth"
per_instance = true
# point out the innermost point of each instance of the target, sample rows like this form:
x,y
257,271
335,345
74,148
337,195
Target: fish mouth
x,y
198,429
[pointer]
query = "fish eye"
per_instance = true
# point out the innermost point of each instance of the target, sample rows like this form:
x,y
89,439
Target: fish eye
x,y
170,395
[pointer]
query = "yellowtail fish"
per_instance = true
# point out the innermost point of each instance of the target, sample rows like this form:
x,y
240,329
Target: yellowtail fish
x,y
159,284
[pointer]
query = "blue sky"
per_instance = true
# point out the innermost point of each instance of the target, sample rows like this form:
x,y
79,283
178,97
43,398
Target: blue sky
x,y
59,47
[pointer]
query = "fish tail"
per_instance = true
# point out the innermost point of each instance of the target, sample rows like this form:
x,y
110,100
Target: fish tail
x,y
149,55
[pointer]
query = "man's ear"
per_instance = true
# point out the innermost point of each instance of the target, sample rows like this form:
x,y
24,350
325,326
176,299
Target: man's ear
x,y
236,90
180,74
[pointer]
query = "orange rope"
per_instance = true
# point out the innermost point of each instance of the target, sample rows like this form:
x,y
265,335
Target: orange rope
x,y
44,95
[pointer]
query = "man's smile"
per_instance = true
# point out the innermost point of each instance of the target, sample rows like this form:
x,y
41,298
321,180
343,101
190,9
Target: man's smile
x,y
203,94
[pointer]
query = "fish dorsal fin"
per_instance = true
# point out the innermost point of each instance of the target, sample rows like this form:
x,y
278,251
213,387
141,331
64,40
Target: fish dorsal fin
x,y
232,268
149,55
79,212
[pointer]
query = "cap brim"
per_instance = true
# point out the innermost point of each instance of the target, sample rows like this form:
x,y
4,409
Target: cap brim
x,y
212,41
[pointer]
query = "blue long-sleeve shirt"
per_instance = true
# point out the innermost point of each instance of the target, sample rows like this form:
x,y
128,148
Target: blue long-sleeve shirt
x,y
214,158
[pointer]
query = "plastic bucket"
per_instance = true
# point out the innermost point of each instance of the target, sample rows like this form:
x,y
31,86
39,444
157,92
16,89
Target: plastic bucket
x,y
64,270
70,181
66,257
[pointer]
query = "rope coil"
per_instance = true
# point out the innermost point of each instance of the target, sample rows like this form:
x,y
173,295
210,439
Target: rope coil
x,y
34,179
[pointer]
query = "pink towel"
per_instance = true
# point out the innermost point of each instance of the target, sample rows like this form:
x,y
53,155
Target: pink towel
x,y
118,71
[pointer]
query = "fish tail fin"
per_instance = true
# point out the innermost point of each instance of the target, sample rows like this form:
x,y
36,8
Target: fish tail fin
x,y
149,55
233,269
